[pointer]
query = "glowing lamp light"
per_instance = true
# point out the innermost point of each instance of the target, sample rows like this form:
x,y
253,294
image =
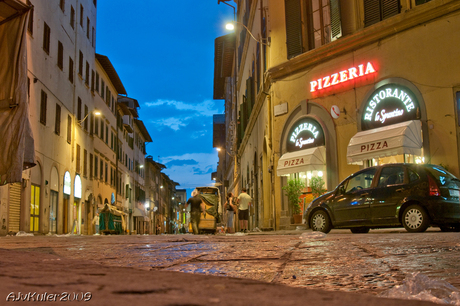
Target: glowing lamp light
x,y
320,173
230,26
309,175
97,113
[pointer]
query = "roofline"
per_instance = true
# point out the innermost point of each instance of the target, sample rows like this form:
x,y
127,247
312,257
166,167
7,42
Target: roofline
x,y
111,72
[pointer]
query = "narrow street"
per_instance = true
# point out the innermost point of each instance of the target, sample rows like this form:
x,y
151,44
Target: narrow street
x,y
340,261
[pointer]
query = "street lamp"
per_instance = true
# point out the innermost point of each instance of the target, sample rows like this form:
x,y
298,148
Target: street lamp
x,y
95,112
231,26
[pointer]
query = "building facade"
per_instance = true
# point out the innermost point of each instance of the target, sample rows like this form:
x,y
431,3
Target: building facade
x,y
89,143
348,84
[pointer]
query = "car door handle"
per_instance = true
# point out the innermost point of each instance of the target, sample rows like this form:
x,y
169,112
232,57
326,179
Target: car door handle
x,y
399,190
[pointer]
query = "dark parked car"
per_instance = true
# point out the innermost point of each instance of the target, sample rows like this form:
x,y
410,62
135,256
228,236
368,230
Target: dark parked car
x,y
391,195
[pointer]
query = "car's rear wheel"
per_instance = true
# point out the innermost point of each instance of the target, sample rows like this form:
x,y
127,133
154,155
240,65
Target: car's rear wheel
x,y
359,230
415,219
320,222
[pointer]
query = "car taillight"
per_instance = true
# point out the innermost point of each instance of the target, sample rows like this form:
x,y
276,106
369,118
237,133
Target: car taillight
x,y
433,187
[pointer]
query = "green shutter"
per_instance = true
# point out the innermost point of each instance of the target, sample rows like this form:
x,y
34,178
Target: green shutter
x,y
336,22
293,28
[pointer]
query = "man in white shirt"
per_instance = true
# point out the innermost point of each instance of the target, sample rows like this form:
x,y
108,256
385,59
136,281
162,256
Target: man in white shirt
x,y
244,201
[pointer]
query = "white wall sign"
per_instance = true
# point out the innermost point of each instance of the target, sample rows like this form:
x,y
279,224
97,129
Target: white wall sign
x,y
281,109
335,111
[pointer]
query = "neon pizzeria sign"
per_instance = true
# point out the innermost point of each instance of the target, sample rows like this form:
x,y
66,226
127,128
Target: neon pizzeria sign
x,y
342,76
304,134
390,104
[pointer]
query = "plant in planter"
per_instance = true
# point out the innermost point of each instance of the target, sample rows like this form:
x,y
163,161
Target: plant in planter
x,y
317,186
294,191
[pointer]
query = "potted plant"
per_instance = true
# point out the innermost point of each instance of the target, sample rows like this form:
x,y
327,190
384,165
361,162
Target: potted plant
x,y
294,191
317,186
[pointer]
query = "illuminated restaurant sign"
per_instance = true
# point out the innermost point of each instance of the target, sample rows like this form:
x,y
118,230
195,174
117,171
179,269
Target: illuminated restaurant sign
x,y
390,104
304,134
342,76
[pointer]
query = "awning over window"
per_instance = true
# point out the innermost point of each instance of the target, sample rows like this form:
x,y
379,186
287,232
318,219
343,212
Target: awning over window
x,y
400,138
303,160
138,213
16,143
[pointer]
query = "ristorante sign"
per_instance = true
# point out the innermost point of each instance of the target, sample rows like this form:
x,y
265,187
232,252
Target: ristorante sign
x,y
304,134
389,104
342,76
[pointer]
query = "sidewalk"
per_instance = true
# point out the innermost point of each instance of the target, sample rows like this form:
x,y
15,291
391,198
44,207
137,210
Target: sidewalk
x,y
39,275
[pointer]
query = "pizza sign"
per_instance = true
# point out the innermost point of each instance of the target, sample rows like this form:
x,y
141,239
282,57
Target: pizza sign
x,y
304,134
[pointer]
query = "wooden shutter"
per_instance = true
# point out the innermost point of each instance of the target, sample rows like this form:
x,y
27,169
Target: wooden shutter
x,y
14,207
293,28
375,11
336,22
57,122
390,8
371,12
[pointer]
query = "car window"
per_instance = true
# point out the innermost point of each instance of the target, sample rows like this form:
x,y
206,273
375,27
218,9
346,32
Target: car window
x,y
360,181
442,175
391,176
413,176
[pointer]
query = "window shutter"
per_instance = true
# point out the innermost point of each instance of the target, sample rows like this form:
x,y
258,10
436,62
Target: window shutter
x,y
336,22
390,8
371,12
293,28
375,11
249,98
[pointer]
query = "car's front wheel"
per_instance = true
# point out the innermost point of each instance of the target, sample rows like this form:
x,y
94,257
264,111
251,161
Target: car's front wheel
x,y
320,222
415,219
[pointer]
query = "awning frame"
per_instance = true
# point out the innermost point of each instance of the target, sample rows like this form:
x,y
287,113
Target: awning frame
x,y
400,138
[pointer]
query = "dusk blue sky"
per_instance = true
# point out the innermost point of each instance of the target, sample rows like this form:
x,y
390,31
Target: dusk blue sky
x,y
163,52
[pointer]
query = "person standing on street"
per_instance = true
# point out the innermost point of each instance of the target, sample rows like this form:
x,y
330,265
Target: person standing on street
x,y
244,201
197,205
231,208
96,224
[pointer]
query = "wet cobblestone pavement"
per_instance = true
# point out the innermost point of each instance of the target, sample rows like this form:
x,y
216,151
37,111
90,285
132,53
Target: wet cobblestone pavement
x,y
365,263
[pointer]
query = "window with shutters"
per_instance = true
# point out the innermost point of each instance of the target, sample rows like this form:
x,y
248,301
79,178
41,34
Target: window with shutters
x,y
378,10
30,25
81,16
43,105
95,167
90,166
92,80
71,70
85,163
87,74
80,64
78,159
57,122
72,17
101,169
88,27
62,5
311,24
86,118
46,38
97,82
60,61
79,110
69,129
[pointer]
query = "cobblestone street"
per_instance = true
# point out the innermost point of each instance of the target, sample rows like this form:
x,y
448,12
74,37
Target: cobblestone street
x,y
340,261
